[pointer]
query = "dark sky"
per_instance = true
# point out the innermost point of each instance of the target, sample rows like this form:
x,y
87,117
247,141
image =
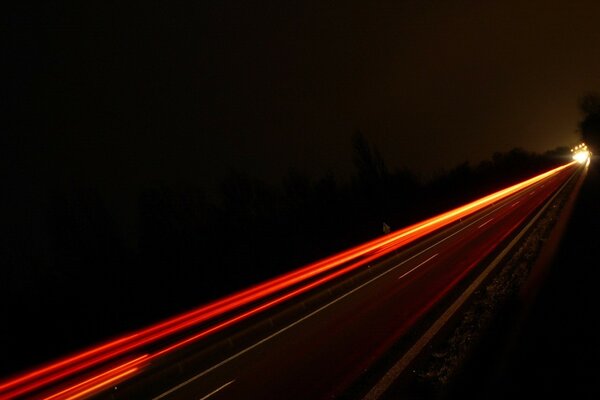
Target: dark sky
x,y
122,95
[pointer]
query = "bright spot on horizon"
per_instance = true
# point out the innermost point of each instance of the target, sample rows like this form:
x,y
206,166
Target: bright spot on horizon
x,y
581,153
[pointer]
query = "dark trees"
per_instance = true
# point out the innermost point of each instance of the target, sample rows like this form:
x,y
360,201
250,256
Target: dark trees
x,y
589,126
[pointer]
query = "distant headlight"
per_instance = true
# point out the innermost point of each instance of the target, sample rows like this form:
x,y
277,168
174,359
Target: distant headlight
x,y
581,156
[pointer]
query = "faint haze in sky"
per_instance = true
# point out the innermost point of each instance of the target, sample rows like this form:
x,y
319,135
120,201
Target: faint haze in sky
x,y
125,95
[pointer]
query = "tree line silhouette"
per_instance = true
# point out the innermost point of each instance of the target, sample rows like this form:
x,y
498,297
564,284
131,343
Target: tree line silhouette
x,y
589,126
84,284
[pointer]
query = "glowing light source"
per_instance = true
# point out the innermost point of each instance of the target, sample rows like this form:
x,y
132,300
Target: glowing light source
x,y
581,154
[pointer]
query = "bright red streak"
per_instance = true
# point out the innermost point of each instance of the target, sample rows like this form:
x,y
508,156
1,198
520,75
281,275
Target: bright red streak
x,y
371,250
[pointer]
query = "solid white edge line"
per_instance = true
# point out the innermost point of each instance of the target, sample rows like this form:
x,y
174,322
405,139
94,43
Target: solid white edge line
x,y
217,390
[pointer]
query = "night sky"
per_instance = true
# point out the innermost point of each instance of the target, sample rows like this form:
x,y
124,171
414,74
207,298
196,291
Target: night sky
x,y
120,96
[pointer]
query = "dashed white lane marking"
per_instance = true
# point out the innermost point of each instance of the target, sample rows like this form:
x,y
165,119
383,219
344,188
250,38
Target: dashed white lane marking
x,y
408,272
217,390
515,203
485,223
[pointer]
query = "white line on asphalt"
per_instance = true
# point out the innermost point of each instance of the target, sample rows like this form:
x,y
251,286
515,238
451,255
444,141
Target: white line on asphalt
x,y
515,203
217,390
406,273
485,223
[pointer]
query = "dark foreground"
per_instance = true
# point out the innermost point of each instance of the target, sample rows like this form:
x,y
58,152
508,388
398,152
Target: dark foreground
x,y
552,345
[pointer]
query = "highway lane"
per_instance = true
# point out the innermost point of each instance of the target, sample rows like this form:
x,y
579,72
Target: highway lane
x,y
318,345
